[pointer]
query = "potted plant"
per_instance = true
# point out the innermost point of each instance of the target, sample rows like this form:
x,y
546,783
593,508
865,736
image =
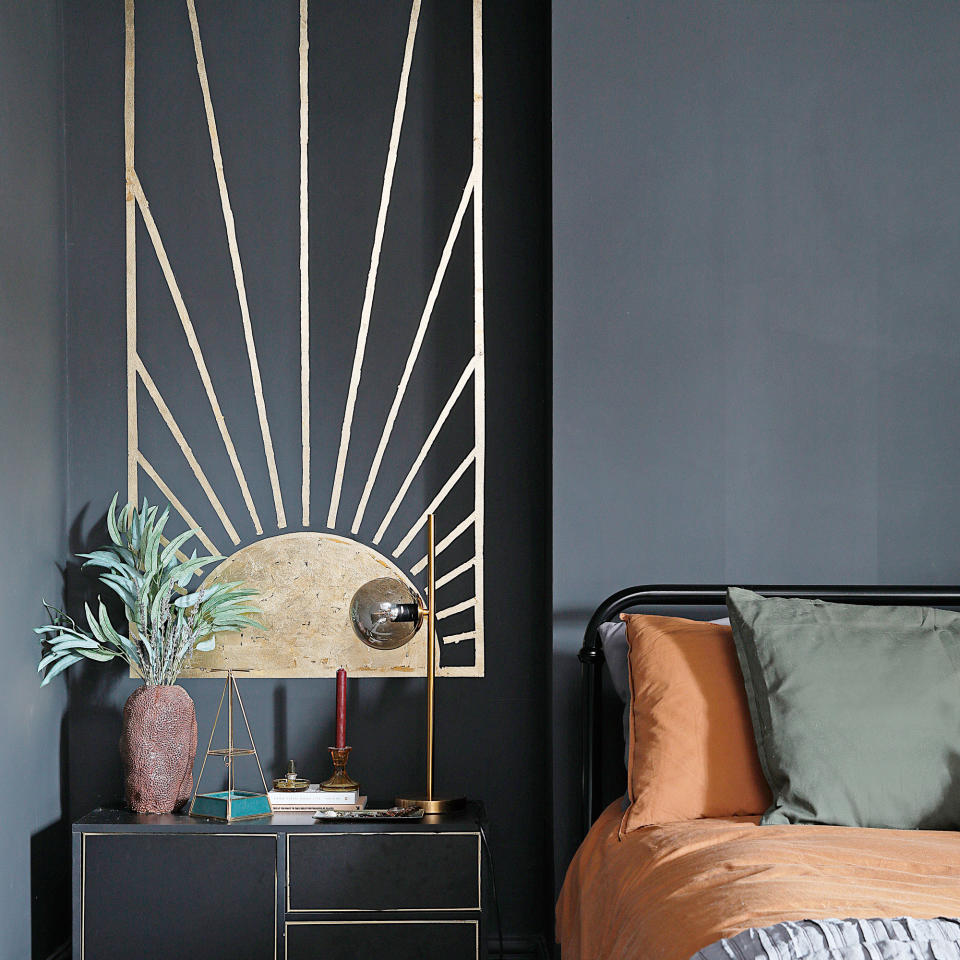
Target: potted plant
x,y
168,620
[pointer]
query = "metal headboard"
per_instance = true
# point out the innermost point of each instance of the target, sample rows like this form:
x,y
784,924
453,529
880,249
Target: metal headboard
x,y
591,653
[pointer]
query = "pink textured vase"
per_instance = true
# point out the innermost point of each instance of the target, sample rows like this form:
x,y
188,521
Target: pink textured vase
x,y
157,745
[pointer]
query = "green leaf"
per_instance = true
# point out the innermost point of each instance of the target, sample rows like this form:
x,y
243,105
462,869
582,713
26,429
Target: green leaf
x,y
59,667
205,646
112,520
73,643
100,655
122,587
170,551
182,572
119,640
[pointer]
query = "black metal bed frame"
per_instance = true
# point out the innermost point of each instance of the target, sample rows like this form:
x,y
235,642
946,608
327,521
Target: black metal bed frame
x,y
591,653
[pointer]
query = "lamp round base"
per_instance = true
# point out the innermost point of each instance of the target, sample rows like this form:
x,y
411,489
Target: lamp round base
x,y
434,804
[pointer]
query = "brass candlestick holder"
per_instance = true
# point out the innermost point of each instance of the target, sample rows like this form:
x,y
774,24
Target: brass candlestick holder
x,y
340,780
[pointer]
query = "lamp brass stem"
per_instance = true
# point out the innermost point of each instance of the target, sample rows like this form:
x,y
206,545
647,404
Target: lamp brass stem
x,y
431,644
429,803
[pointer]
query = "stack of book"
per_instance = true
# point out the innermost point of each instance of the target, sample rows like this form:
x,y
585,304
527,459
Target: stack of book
x,y
313,799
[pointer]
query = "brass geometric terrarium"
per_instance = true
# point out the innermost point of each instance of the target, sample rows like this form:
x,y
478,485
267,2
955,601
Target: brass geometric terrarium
x,y
230,804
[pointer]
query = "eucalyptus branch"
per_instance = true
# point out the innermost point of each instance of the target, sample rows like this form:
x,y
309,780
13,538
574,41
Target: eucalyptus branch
x,y
167,622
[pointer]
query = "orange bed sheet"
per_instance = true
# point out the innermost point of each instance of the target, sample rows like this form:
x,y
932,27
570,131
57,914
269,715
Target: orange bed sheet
x,y
666,891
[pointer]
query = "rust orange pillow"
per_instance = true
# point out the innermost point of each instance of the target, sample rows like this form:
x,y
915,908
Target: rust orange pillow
x,y
692,750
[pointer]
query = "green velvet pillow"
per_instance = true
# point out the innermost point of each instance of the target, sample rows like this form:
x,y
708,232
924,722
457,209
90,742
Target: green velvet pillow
x,y
855,709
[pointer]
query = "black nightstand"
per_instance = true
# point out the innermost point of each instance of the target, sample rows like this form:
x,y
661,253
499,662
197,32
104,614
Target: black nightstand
x,y
282,887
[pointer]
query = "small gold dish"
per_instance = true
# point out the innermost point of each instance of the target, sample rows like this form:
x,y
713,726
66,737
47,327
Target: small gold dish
x,y
291,786
291,783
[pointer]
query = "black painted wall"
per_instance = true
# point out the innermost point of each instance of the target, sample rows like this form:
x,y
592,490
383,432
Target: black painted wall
x,y
756,228
34,841
493,738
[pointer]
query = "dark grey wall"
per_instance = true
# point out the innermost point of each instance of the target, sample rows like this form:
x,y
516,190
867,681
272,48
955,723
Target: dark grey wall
x,y
493,739
34,851
756,224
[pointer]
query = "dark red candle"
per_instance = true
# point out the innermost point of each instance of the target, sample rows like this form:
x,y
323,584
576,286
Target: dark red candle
x,y
341,707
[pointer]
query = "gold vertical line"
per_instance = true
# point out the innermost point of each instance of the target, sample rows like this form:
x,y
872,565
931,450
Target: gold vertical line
x,y
237,266
130,203
425,449
414,350
256,755
216,720
194,345
83,898
374,264
230,686
431,643
304,265
479,375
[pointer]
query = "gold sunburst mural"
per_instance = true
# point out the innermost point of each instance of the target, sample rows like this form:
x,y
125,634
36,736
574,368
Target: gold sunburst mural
x,y
232,357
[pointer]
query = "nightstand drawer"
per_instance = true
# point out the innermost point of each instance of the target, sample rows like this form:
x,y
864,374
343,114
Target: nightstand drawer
x,y
355,872
396,939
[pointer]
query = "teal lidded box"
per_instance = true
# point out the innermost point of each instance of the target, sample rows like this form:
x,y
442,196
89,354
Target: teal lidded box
x,y
231,805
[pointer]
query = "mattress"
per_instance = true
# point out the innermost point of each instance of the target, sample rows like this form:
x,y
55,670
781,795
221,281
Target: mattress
x,y
666,891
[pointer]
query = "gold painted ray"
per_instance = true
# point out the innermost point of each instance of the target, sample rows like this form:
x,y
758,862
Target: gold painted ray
x,y
456,572
191,334
304,267
457,608
414,353
374,264
436,501
479,380
463,525
425,449
237,266
459,637
174,501
130,206
188,453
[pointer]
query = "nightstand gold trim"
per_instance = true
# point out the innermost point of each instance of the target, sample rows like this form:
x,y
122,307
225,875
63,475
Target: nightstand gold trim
x,y
390,833
138,833
307,923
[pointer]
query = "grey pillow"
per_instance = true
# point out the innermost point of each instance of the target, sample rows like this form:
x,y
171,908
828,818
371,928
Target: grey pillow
x,y
613,635
855,709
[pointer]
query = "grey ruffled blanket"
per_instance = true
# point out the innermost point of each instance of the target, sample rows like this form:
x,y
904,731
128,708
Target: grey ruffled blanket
x,y
899,939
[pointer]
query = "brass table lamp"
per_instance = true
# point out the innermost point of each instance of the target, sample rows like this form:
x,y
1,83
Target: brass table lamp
x,y
386,614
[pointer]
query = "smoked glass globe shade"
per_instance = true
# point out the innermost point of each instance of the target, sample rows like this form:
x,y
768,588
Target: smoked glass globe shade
x,y
385,613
